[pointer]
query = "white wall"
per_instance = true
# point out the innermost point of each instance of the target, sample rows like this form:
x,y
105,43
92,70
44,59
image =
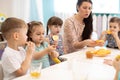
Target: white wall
x,y
15,8
6,7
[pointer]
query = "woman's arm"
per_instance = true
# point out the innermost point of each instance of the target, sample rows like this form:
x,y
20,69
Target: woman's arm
x,y
70,35
103,36
87,42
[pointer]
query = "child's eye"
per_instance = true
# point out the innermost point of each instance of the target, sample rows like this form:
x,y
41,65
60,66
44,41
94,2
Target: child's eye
x,y
38,34
56,26
114,27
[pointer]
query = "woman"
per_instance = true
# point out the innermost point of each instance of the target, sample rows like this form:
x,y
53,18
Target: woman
x,y
78,28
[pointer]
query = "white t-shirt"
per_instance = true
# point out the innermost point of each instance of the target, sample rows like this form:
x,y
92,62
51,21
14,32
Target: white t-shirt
x,y
11,61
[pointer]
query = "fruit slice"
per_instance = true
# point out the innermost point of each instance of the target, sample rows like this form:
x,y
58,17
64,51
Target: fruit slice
x,y
117,57
100,41
55,37
56,60
108,32
102,52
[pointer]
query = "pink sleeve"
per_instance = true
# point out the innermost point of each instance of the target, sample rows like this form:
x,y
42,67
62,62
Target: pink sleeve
x,y
69,35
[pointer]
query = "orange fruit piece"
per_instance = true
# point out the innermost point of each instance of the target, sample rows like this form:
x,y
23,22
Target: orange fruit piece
x,y
100,41
108,32
117,57
102,52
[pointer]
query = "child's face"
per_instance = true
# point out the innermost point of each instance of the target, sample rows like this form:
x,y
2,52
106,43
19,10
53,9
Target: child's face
x,y
114,26
37,34
55,29
23,36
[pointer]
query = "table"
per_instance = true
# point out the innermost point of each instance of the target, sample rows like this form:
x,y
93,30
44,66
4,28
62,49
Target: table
x,y
78,67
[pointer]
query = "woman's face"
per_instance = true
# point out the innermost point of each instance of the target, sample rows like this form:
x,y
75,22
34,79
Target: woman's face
x,y
85,9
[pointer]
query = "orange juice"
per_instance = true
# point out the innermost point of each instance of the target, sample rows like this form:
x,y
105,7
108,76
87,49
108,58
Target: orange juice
x,y
89,54
35,74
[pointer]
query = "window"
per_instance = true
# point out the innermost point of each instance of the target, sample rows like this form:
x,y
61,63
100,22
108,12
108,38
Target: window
x,y
105,6
99,6
66,6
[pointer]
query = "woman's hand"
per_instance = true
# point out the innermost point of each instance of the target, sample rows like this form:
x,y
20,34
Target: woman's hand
x,y
90,43
100,42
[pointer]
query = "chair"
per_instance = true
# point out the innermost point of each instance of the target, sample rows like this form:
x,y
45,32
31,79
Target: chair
x,y
1,72
2,47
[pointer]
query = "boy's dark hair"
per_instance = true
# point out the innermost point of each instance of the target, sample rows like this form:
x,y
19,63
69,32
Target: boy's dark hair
x,y
12,25
88,21
30,28
115,19
54,21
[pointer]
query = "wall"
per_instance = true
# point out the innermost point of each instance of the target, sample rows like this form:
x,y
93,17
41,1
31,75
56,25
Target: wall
x,y
15,8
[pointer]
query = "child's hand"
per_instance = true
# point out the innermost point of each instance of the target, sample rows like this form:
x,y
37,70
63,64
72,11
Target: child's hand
x,y
51,48
55,43
108,62
54,54
115,34
30,47
116,64
47,40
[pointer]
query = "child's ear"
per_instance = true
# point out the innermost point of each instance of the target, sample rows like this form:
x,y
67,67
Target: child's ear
x,y
16,35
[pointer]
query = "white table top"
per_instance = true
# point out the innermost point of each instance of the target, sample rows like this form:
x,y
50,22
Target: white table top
x,y
77,67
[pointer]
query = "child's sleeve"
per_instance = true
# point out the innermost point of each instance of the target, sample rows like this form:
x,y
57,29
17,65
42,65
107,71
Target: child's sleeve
x,y
119,76
11,64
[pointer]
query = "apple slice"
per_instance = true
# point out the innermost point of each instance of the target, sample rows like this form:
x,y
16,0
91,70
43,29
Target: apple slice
x,y
55,37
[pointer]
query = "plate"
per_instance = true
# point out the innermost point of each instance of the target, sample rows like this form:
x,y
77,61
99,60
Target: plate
x,y
102,52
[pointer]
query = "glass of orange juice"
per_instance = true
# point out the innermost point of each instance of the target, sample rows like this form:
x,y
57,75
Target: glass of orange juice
x,y
35,70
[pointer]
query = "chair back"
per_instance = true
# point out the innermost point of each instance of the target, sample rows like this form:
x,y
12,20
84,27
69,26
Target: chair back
x,y
1,72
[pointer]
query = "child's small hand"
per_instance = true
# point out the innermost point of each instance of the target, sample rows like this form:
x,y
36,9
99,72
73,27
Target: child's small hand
x,y
55,43
47,40
30,47
116,64
108,62
115,34
54,54
51,48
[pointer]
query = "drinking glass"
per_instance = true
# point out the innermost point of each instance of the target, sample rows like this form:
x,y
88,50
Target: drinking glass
x,y
35,70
